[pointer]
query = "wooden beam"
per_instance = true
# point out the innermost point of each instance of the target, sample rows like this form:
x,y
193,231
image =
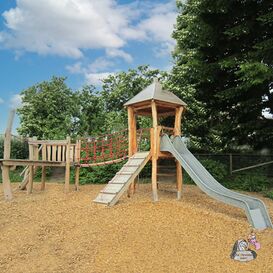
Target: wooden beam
x,y
7,148
31,167
77,161
49,142
27,162
177,123
177,132
132,149
67,166
154,148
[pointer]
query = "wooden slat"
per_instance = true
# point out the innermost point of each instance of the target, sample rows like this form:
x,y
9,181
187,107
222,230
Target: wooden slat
x,y
63,152
104,198
112,188
54,153
48,148
26,162
59,153
49,142
72,153
44,152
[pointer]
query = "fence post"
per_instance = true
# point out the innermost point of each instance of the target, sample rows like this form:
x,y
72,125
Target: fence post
x,y
7,150
67,166
230,164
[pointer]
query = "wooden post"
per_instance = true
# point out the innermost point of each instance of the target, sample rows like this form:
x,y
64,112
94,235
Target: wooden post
x,y
177,132
43,168
154,148
67,166
7,149
132,149
77,169
31,150
230,164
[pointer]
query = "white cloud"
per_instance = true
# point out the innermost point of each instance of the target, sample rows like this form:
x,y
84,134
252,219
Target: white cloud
x,y
16,101
99,65
113,52
64,27
1,101
96,78
68,27
75,68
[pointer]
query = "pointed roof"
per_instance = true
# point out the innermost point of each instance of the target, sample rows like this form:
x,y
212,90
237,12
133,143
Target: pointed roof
x,y
155,92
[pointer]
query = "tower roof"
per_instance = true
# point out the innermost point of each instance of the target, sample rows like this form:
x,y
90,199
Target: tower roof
x,y
155,92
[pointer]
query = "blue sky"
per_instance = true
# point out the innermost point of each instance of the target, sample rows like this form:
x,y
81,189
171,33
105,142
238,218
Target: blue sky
x,y
84,40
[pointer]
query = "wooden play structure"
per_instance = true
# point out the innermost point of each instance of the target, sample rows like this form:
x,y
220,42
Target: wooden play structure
x,y
154,102
42,153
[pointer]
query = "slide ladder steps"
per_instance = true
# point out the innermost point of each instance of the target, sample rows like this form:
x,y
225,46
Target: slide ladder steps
x,y
111,193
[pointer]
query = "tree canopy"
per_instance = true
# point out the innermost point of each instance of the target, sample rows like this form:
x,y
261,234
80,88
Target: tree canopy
x,y
223,70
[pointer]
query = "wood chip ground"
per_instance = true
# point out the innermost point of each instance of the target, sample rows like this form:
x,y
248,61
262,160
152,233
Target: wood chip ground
x,y
57,233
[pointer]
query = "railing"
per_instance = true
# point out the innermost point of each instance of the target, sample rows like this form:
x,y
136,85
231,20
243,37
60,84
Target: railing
x,y
111,148
104,149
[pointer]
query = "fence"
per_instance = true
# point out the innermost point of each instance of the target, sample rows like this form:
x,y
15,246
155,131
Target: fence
x,y
243,163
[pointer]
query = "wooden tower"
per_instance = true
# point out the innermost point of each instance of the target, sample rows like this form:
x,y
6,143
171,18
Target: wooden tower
x,y
155,102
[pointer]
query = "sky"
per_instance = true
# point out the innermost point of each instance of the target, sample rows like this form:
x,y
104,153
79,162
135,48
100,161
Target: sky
x,y
83,40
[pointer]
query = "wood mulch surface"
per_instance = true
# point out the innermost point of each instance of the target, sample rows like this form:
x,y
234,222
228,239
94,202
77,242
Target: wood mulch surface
x,y
53,232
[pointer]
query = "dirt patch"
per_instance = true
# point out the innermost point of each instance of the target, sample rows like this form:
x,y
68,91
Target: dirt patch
x,y
53,232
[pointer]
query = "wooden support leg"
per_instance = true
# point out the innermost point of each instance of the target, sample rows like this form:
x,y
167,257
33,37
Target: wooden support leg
x,y
6,183
154,179
30,180
179,180
43,178
67,179
77,178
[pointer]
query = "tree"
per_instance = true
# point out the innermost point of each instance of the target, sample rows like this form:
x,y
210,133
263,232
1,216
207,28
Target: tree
x,y
223,70
119,88
48,109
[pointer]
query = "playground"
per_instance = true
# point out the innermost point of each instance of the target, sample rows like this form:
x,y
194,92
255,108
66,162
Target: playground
x,y
184,228
57,232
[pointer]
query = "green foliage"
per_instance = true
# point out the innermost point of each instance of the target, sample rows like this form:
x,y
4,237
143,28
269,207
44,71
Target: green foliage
x,y
19,149
118,89
223,69
98,174
215,168
47,110
248,182
269,194
14,175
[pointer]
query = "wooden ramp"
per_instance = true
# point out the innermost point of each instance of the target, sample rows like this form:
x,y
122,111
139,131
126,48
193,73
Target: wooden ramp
x,y
122,180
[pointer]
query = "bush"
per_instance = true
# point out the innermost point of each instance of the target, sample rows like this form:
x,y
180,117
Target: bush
x,y
269,194
14,175
215,168
19,149
248,182
98,174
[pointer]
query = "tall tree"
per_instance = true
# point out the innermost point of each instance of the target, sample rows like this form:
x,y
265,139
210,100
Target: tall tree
x,y
223,68
47,110
119,88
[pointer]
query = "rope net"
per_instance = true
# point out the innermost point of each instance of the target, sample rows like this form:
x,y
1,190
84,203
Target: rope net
x,y
111,148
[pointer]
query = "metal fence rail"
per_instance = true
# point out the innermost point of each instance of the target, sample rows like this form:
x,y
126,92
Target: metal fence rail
x,y
243,163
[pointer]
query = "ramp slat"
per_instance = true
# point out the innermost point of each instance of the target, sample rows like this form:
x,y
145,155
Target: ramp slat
x,y
111,193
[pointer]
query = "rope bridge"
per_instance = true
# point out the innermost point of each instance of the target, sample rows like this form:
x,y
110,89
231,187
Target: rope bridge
x,y
110,148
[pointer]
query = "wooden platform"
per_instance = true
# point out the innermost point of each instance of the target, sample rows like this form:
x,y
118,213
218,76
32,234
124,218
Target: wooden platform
x,y
122,180
27,162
